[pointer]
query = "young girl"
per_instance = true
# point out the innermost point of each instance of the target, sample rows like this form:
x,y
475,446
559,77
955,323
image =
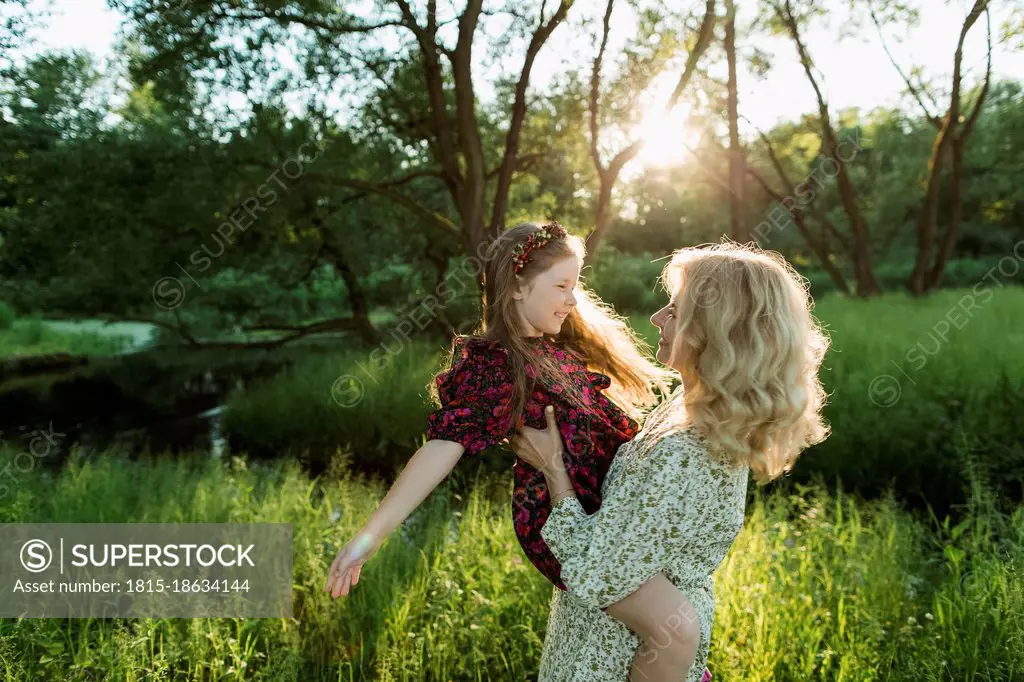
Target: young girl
x,y
545,341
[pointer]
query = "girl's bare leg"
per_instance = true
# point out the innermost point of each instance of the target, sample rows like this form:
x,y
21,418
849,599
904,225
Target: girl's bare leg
x,y
668,626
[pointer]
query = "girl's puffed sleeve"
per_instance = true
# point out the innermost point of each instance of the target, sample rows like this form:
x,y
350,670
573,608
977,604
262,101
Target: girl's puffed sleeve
x,y
476,397
608,555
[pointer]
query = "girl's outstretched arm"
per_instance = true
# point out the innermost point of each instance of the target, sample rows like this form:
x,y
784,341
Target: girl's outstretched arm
x,y
426,469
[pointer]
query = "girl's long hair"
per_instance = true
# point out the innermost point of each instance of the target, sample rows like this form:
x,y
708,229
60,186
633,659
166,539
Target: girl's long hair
x,y
749,350
599,337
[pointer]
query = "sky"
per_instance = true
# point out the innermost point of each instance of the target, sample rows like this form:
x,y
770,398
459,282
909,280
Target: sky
x,y
855,72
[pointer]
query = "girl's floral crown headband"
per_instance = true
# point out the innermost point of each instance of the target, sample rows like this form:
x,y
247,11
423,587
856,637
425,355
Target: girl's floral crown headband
x,y
521,251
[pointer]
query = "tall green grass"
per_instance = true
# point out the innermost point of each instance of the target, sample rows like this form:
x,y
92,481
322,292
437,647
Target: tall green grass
x,y
335,400
32,336
818,586
912,383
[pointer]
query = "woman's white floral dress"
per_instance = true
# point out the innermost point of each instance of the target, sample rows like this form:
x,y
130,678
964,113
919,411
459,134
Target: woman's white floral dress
x,y
668,506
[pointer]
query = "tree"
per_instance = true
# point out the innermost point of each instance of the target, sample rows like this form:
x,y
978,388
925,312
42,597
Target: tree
x,y
953,131
15,19
739,229
790,21
820,241
448,123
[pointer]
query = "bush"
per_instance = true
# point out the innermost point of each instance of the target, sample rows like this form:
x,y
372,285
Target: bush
x,y
7,316
328,402
626,281
903,401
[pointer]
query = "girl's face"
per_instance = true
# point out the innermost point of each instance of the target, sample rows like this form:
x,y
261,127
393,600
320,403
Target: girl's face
x,y
666,322
546,301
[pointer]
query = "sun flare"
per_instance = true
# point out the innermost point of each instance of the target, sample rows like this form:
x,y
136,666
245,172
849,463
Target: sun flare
x,y
666,137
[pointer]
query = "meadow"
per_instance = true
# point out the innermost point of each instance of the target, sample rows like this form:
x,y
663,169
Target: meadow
x,y
818,586
893,552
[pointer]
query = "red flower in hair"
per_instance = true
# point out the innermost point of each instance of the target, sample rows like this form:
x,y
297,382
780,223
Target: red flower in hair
x,y
536,240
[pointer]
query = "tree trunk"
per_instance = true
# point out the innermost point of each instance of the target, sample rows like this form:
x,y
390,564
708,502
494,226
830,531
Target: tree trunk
x,y
952,137
860,252
608,176
603,216
820,248
357,296
823,253
929,213
956,202
739,228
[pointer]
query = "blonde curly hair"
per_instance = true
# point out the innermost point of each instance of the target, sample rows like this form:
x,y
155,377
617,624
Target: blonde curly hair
x,y
748,350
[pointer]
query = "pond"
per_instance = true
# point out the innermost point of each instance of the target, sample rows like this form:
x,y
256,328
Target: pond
x,y
157,400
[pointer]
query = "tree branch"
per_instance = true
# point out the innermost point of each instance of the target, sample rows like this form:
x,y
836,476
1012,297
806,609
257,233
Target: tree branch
x,y
972,118
305,20
932,118
434,80
519,111
707,31
383,189
595,87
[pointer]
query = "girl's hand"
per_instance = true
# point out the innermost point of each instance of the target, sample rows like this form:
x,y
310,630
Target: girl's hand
x,y
345,570
541,449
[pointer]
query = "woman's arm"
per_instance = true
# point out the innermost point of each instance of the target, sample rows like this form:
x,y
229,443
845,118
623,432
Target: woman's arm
x,y
615,557
651,606
609,554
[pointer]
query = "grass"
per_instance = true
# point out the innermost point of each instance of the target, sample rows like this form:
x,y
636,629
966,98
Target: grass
x,y
331,400
818,586
32,336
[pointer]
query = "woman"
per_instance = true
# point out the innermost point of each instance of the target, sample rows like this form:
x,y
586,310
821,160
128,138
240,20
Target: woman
x,y
739,331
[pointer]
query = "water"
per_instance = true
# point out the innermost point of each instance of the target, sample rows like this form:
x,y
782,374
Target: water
x,y
134,402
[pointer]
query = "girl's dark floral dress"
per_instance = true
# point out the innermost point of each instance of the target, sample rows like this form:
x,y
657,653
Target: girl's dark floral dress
x,y
476,411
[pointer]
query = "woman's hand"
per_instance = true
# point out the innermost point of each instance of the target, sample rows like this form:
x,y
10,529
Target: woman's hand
x,y
541,449
345,570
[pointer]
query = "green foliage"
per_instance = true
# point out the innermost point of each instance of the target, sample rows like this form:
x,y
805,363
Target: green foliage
x,y
375,403
128,205
7,316
628,282
34,336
